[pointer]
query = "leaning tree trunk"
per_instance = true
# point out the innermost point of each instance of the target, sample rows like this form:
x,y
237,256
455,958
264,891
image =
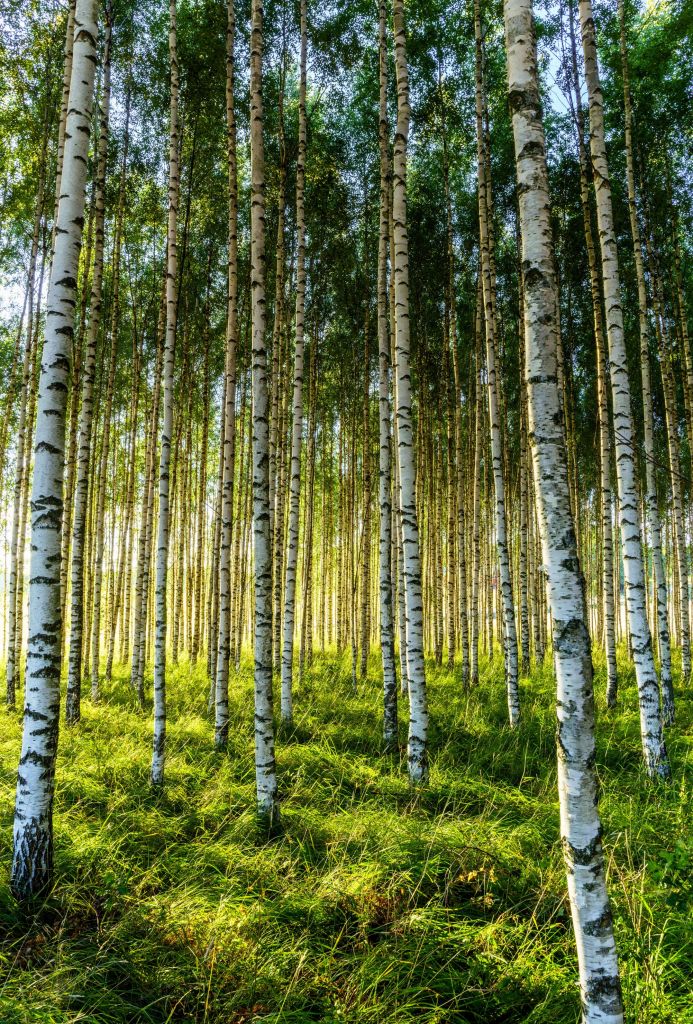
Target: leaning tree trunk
x,y
387,636
418,713
221,700
297,425
577,778
86,414
32,861
265,771
159,740
654,749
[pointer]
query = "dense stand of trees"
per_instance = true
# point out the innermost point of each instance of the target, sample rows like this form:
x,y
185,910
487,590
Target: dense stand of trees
x,y
294,293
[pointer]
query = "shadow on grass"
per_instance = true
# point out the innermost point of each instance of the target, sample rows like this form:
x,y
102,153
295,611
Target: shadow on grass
x,y
374,902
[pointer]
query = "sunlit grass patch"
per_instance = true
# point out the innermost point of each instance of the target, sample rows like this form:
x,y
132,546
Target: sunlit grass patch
x,y
374,903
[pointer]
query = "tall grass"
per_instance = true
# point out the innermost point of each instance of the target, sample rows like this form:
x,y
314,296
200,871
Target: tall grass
x,y
374,904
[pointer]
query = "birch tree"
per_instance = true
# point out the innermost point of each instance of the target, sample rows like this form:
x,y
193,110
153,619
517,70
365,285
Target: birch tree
x,y
645,370
577,782
654,749
487,276
81,496
416,673
387,637
229,408
159,745
32,860
265,771
297,421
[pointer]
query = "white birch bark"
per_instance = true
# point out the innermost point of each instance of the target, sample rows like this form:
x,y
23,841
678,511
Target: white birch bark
x,y
32,860
81,497
654,749
476,498
145,539
608,605
265,771
387,636
488,279
577,781
648,429
159,739
22,465
221,701
416,673
64,106
297,423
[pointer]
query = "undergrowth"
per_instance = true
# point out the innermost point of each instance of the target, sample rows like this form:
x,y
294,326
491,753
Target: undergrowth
x,y
374,904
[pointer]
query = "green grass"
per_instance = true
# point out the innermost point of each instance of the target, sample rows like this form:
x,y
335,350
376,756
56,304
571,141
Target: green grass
x,y
374,904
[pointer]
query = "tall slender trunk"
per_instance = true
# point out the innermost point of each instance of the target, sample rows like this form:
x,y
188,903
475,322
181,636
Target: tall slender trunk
x,y
221,723
297,424
364,598
79,519
265,770
32,860
305,652
476,511
23,433
418,710
676,477
199,573
159,739
644,329
602,401
488,279
102,478
64,107
144,550
74,402
577,778
387,636
654,749
276,391
122,579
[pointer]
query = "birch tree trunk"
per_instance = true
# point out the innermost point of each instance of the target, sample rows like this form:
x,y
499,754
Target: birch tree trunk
x,y
416,673
654,749
265,771
297,424
221,726
64,107
102,478
32,860
488,279
16,573
86,414
577,780
144,552
602,400
159,740
644,329
476,510
387,636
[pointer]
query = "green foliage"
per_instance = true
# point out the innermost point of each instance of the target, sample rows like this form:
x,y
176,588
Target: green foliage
x,y
374,903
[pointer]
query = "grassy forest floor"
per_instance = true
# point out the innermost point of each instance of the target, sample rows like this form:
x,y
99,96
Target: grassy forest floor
x,y
373,904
